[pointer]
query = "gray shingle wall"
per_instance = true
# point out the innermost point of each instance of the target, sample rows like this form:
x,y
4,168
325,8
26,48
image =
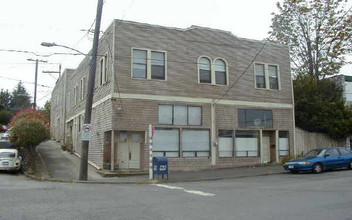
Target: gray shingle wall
x,y
184,47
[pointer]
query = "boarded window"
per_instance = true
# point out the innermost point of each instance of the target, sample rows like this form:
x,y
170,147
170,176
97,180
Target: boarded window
x,y
225,143
284,148
166,142
247,144
195,143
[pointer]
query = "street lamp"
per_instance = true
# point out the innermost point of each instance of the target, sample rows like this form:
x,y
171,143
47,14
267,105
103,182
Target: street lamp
x,y
47,44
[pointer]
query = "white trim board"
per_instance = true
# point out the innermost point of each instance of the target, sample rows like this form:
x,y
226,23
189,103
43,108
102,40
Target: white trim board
x,y
185,99
201,100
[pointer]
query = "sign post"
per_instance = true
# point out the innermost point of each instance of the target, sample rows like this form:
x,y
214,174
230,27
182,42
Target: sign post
x,y
151,134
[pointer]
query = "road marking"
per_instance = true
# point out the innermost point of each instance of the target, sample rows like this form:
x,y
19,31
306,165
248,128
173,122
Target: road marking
x,y
196,192
199,193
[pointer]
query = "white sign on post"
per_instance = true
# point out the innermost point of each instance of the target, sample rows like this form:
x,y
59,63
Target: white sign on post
x,y
86,131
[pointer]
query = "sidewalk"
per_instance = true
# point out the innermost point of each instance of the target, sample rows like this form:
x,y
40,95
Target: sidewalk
x,y
59,165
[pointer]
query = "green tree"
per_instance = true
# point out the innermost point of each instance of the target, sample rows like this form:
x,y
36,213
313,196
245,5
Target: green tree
x,y
20,98
5,99
321,108
5,117
318,33
46,110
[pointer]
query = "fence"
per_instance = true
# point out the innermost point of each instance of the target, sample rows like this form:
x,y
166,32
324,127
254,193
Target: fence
x,y
306,141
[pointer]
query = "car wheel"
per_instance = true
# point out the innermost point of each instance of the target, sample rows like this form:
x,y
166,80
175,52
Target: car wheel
x,y
317,168
350,165
293,171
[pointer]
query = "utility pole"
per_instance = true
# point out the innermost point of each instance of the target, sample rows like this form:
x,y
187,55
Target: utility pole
x,y
59,72
83,173
36,80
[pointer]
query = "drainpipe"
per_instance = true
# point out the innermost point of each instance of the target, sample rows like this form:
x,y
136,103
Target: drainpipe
x,y
213,132
112,156
112,159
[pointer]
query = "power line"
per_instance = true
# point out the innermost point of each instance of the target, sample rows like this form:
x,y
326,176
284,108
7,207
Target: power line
x,y
4,77
238,78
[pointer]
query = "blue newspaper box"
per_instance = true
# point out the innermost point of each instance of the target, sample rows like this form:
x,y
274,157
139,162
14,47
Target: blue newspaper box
x,y
160,167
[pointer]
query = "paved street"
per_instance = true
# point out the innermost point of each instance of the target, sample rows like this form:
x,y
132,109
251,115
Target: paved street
x,y
281,196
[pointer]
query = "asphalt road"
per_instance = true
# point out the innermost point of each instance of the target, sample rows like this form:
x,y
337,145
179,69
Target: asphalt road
x,y
282,196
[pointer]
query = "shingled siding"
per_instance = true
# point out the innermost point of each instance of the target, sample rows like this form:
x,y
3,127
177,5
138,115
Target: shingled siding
x,y
137,114
184,47
127,104
57,116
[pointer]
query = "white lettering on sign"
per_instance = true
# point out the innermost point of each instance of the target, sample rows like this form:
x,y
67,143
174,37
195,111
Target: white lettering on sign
x,y
162,167
86,132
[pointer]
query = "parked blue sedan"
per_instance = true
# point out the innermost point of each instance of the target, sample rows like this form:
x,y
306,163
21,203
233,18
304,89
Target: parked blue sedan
x,y
318,160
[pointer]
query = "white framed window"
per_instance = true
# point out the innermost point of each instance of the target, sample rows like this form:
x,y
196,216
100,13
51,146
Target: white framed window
x,y
75,94
103,70
212,72
247,143
204,70
83,88
166,142
267,76
195,143
180,115
148,64
225,138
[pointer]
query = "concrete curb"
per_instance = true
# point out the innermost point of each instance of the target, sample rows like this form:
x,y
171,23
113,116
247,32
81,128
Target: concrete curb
x,y
149,181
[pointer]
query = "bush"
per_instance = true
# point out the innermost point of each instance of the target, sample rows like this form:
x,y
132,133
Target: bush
x,y
28,129
29,133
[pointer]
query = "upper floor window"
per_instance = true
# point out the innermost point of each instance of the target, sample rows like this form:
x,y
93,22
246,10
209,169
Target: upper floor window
x,y
204,70
267,76
139,64
260,76
212,72
273,77
158,65
83,87
75,94
148,64
220,72
103,69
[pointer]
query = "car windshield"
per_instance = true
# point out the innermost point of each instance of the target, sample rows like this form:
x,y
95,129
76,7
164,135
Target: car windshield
x,y
7,154
314,153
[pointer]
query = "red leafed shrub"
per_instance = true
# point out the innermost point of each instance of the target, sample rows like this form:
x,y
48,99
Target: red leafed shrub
x,y
29,114
28,129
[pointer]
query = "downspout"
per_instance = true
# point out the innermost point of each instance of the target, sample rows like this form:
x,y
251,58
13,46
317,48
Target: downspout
x,y
112,98
64,121
293,113
213,132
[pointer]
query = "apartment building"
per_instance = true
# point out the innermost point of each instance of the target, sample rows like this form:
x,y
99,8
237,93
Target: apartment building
x,y
345,83
214,101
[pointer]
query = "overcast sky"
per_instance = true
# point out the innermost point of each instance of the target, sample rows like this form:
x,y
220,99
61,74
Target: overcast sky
x,y
25,24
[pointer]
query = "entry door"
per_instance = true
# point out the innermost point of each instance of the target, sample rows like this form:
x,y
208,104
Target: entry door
x,y
129,148
266,149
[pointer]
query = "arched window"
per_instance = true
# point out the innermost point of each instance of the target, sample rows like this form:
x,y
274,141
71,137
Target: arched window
x,y
220,72
204,70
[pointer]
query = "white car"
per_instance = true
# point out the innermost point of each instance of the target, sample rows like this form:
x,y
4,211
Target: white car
x,y
10,160
5,136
